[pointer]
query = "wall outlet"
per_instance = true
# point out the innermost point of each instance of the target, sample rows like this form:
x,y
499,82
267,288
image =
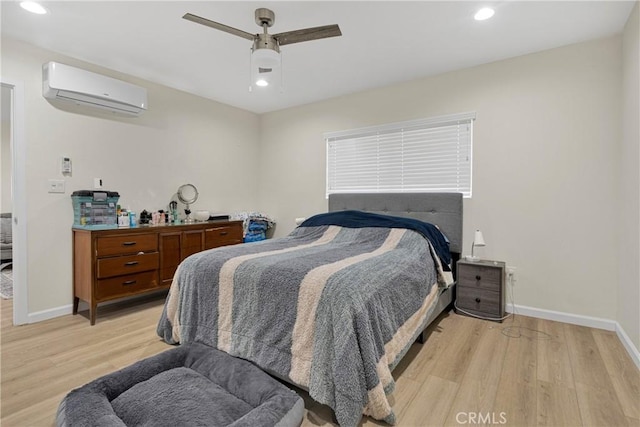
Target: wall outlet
x,y
511,274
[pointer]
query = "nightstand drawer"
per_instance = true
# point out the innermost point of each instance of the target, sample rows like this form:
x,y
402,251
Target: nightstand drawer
x,y
480,289
479,301
478,276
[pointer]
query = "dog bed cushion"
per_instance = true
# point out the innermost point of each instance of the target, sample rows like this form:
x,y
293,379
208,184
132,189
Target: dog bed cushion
x,y
191,385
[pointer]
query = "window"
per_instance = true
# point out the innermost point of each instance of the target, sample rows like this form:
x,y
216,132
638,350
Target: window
x,y
428,155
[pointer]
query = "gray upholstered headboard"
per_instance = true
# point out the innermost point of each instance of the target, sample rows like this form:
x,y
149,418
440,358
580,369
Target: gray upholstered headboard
x,y
441,209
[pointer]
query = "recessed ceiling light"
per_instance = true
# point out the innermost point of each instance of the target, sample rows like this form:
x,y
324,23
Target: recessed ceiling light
x,y
484,13
33,7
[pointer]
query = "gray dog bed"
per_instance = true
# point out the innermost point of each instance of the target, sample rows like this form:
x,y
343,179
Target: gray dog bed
x,y
191,385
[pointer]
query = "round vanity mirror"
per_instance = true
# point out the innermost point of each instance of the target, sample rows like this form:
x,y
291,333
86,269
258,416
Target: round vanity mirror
x,y
188,194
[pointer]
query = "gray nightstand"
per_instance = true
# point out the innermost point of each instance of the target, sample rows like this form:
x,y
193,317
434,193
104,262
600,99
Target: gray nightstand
x,y
480,289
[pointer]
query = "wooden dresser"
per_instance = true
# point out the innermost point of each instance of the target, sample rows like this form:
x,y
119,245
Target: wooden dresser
x,y
117,263
480,289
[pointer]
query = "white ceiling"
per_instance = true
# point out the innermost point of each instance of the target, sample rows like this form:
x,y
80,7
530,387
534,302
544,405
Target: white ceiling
x,y
383,42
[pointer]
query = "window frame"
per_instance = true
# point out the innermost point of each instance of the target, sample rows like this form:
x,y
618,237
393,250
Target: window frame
x,y
397,130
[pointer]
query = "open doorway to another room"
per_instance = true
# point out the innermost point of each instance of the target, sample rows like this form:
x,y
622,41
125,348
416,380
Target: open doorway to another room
x,y
6,204
13,230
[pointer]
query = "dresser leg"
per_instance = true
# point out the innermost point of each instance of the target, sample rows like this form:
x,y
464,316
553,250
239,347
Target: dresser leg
x,y
92,313
76,301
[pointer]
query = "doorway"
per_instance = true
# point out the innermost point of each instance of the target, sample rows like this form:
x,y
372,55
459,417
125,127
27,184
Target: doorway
x,y
12,161
6,234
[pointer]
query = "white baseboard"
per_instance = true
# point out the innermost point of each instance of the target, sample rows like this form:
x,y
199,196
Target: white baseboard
x,y
558,316
578,319
628,344
63,310
39,316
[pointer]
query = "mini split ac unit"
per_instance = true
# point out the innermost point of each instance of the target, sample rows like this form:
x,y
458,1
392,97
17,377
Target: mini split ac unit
x,y
65,83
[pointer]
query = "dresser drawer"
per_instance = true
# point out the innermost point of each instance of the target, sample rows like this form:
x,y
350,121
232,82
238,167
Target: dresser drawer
x,y
479,301
126,285
478,276
118,266
222,236
129,244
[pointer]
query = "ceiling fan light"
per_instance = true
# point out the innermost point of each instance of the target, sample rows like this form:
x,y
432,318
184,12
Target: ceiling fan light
x,y
262,77
266,58
265,70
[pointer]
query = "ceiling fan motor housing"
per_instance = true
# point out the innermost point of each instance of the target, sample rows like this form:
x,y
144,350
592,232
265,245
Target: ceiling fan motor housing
x,y
265,16
265,41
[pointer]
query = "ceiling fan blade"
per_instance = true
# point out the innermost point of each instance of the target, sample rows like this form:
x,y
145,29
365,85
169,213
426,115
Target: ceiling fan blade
x,y
308,34
218,26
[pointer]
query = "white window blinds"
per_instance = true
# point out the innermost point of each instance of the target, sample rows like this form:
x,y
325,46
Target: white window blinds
x,y
429,155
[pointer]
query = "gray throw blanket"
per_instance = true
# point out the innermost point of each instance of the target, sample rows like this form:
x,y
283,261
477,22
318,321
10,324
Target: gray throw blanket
x,y
328,308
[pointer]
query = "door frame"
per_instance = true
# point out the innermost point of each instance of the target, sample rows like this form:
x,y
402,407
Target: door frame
x,y
19,201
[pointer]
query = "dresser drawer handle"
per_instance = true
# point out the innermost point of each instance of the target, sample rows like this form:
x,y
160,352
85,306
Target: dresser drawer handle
x,y
128,243
478,300
130,263
224,233
129,282
478,277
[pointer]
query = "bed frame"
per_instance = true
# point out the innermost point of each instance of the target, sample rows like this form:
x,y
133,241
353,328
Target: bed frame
x,y
441,209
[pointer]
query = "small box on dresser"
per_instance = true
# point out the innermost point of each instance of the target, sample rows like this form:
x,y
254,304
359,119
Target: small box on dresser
x,y
480,288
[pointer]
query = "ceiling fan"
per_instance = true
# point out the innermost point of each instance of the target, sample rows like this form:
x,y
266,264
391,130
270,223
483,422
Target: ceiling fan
x,y
266,47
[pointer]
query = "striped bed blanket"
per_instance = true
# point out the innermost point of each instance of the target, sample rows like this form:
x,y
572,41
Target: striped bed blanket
x,y
329,308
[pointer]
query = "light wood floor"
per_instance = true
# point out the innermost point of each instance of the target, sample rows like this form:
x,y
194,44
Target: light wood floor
x,y
468,373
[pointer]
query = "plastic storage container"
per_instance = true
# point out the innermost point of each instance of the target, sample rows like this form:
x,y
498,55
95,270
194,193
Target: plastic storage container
x,y
95,209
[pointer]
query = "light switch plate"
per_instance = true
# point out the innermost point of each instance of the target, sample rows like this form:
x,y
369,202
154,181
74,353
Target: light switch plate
x,y
56,186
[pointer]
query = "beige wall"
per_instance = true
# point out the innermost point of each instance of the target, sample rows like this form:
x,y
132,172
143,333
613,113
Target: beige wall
x,y
546,153
182,138
629,288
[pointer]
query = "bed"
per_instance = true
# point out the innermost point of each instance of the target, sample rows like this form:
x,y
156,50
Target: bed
x,y
334,306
